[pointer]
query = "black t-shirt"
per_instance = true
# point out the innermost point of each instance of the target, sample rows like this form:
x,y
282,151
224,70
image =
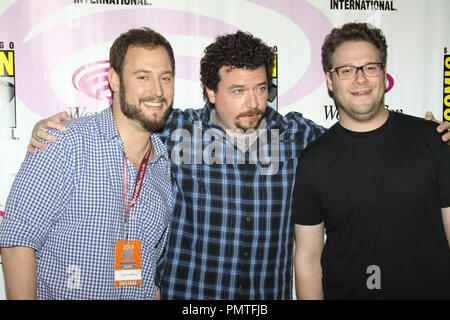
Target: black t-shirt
x,y
380,194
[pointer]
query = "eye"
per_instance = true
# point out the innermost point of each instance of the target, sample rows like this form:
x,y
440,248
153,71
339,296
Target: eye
x,y
344,70
371,67
260,89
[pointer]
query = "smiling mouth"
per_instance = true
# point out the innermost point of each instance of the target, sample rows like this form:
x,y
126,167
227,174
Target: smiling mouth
x,y
153,104
362,93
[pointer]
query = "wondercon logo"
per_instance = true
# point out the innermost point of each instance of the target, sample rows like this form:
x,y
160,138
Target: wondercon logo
x,y
92,80
390,83
128,255
63,46
2,212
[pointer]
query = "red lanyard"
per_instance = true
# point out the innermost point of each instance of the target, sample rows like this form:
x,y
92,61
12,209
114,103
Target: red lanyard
x,y
138,183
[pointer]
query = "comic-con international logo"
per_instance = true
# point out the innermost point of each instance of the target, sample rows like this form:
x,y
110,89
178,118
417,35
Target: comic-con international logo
x,y
365,5
446,105
273,90
7,88
115,2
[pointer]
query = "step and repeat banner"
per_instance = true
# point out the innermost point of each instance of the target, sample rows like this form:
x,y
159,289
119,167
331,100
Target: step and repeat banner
x,y
54,56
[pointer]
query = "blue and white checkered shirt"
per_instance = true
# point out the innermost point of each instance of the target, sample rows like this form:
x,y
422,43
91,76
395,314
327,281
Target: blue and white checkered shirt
x,y
67,203
232,229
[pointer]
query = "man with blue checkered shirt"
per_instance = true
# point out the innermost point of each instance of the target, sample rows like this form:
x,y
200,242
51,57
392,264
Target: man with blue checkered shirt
x,y
233,162
88,218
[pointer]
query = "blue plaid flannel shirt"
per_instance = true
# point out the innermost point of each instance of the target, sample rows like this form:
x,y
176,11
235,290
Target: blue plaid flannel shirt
x,y
232,232
67,204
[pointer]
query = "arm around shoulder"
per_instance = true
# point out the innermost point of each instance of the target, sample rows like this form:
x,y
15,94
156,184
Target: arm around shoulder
x,y
40,130
444,125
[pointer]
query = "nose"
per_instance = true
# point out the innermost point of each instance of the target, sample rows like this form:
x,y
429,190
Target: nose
x,y
360,77
155,88
252,100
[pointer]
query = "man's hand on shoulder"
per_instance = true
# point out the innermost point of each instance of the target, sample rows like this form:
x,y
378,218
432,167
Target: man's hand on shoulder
x,y
445,125
40,130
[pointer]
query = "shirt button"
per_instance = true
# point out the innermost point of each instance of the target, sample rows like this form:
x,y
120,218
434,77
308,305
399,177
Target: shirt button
x,y
248,184
248,219
245,254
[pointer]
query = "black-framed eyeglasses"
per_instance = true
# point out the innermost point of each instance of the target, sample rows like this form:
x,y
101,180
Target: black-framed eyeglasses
x,y
349,72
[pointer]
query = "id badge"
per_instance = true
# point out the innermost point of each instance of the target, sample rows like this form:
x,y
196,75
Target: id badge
x,y
127,270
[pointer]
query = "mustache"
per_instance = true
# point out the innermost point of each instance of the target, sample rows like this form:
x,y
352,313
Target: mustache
x,y
253,112
153,99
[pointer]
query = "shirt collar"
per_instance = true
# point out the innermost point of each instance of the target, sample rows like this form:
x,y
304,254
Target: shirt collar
x,y
108,126
109,130
159,149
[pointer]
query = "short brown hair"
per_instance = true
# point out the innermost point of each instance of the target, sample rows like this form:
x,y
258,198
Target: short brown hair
x,y
352,32
144,37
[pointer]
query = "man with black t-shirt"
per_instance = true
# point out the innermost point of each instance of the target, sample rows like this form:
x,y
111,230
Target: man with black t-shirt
x,y
378,182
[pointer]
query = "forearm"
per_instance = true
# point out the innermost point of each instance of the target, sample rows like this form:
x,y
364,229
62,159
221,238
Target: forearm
x,y
308,279
308,270
19,266
446,220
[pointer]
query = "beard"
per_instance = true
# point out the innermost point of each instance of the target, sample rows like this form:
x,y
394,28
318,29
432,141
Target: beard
x,y
133,112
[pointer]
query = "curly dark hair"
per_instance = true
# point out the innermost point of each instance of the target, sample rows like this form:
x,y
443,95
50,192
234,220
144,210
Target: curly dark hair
x,y
144,37
352,32
238,50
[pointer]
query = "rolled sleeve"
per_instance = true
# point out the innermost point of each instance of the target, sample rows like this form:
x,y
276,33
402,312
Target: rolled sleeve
x,y
39,191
